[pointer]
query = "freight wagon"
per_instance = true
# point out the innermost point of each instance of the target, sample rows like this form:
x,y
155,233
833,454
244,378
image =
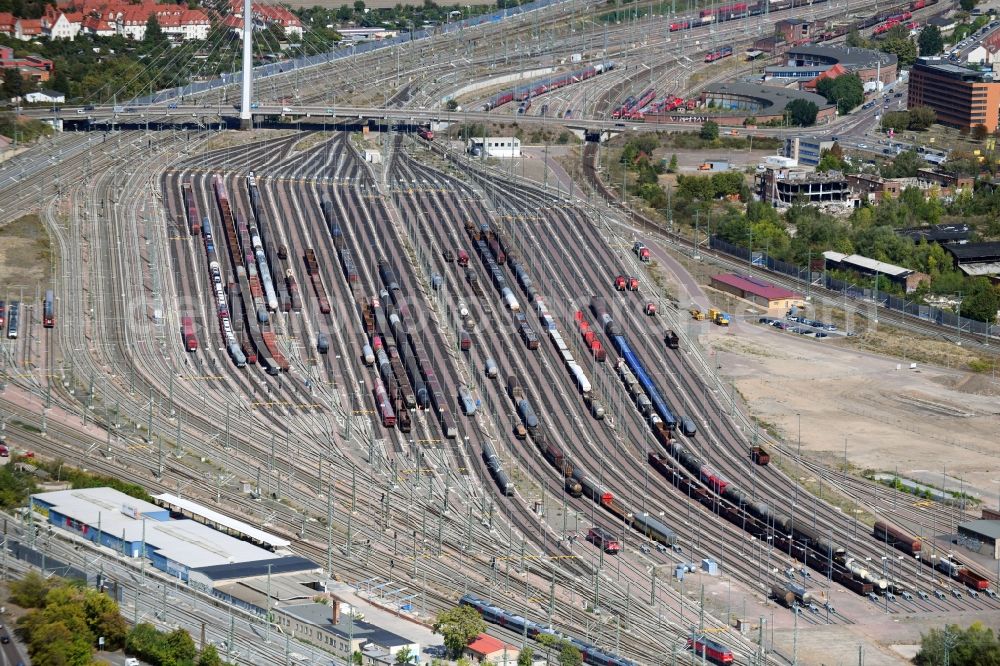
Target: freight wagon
x,y
496,470
897,537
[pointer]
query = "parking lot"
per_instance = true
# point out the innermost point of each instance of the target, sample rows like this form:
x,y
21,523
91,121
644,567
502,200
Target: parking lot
x,y
803,326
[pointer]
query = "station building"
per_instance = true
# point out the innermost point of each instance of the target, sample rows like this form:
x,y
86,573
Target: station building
x,y
961,96
757,291
188,549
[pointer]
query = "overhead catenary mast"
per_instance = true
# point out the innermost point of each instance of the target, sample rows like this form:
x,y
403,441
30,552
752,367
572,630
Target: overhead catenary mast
x,y
245,116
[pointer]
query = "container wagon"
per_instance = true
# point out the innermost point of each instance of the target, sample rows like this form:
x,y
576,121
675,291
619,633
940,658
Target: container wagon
x,y
49,310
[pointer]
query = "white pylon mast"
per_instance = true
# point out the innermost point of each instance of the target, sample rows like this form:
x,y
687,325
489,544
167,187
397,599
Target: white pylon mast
x,y
245,116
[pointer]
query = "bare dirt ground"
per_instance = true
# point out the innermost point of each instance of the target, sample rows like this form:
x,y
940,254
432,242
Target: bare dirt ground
x,y
25,257
889,416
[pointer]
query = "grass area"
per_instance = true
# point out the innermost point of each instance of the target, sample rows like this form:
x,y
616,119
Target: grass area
x,y
313,140
910,347
235,138
712,71
25,256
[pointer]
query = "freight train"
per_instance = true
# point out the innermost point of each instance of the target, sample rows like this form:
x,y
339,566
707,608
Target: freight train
x,y
49,309
618,341
237,238
911,545
521,625
258,244
528,91
221,302
394,339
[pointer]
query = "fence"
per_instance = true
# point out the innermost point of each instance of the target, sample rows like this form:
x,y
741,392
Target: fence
x,y
929,313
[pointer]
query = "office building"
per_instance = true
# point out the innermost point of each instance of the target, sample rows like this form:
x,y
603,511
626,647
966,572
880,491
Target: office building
x,y
961,97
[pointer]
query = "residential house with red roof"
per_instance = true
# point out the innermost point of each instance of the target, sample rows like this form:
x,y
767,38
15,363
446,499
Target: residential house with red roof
x,y
484,649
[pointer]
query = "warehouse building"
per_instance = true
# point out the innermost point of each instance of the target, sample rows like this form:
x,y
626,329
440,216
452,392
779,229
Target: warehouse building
x,y
907,278
986,532
757,291
975,259
961,97
188,549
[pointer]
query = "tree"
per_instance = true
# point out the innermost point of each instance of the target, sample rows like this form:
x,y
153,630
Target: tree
x,y
930,41
698,188
357,658
359,6
709,130
829,161
855,39
980,132
967,5
898,41
459,625
154,33
896,120
104,619
404,656
30,591
982,302
846,91
672,167
210,657
14,85
570,655
801,112
974,646
922,117
904,165
527,656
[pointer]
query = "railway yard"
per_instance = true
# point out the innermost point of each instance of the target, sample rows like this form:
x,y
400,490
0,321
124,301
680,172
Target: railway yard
x,y
419,369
